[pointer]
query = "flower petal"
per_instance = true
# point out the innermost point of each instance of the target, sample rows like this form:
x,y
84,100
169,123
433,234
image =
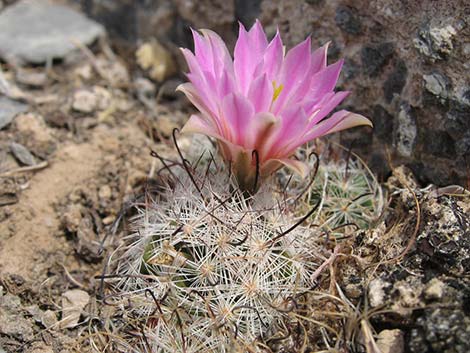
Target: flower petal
x,y
327,107
260,132
197,125
221,58
273,57
325,80
202,51
192,94
261,93
319,57
294,71
237,111
248,54
351,120
298,167
258,41
339,121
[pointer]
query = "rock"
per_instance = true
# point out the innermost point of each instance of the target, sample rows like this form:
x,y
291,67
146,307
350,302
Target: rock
x,y
376,292
374,57
87,244
84,71
84,101
105,192
440,330
35,312
36,31
49,319
103,97
22,154
438,143
12,322
391,341
462,146
72,217
395,81
114,71
155,58
247,11
31,78
383,123
73,303
145,90
35,134
434,289
406,131
457,121
347,20
207,13
9,108
438,85
435,42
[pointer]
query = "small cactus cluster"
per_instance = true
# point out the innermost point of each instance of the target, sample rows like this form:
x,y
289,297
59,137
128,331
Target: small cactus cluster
x,y
211,268
208,267
348,194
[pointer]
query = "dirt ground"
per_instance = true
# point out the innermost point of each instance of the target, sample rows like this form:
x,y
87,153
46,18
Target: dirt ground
x,y
90,125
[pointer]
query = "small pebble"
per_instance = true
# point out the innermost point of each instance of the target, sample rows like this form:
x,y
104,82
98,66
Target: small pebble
x,y
391,341
434,289
31,78
49,318
84,101
22,154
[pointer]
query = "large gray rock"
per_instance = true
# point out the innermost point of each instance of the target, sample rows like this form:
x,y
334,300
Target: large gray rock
x,y
37,30
9,108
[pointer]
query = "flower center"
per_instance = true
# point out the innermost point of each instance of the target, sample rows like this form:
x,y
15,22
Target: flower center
x,y
277,90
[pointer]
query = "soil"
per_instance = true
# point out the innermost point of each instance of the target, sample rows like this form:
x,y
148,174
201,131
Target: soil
x,y
409,273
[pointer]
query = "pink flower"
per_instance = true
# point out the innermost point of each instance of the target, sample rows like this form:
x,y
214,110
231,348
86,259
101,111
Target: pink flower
x,y
262,100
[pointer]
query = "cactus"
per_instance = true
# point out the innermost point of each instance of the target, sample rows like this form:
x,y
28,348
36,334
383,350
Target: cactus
x,y
207,267
210,268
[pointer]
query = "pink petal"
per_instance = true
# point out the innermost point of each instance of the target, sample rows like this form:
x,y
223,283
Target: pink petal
x,y
293,126
248,55
294,121
298,167
237,111
243,61
226,84
193,64
351,120
294,71
325,80
261,93
260,132
202,51
258,41
296,64
273,57
221,58
339,121
319,57
197,125
192,94
328,106
206,92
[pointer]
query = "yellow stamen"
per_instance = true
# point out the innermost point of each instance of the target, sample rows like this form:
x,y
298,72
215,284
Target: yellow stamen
x,y
277,90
